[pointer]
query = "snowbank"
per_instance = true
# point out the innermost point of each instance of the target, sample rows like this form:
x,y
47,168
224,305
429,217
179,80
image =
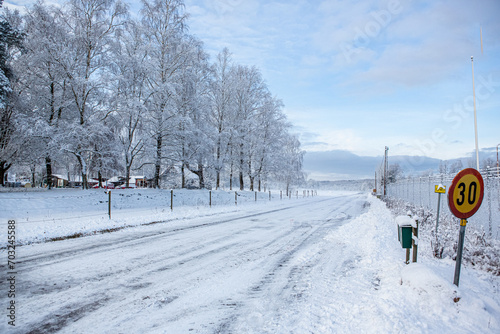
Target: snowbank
x,y
385,296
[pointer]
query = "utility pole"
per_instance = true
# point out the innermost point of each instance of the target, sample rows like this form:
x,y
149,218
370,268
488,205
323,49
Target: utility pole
x,y
498,169
385,170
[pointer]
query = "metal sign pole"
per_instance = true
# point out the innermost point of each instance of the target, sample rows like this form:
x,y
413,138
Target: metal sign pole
x,y
437,219
461,237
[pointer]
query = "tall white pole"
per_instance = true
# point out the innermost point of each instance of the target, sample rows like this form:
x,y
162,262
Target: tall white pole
x,y
498,167
475,113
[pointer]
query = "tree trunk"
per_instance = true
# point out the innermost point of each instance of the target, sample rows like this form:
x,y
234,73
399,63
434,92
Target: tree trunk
x,y
200,176
85,184
250,174
242,186
183,176
83,166
217,178
127,176
48,167
33,171
231,178
156,180
4,167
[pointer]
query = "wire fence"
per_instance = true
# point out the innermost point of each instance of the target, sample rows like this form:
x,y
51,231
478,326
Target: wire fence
x,y
61,205
419,191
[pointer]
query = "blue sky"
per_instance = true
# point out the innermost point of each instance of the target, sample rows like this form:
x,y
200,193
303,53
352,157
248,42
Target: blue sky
x,y
361,75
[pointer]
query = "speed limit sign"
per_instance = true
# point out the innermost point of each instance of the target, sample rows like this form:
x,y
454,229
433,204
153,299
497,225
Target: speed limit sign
x,y
464,199
466,193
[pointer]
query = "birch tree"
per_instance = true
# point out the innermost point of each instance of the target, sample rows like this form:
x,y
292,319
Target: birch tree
x,y
164,24
129,98
221,109
11,139
92,24
249,93
44,80
192,137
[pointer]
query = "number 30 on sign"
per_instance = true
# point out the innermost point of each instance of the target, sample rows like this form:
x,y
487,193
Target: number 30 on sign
x,y
466,193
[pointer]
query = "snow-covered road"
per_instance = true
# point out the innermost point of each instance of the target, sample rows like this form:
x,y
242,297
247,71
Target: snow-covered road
x,y
223,273
325,265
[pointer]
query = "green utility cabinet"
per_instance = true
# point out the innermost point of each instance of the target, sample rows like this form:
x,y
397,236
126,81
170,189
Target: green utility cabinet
x,y
405,234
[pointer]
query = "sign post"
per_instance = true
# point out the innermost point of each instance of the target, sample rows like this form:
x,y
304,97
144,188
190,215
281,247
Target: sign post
x,y
439,189
464,199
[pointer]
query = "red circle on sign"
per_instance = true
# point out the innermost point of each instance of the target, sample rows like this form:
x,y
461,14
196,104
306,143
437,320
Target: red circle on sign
x,y
455,202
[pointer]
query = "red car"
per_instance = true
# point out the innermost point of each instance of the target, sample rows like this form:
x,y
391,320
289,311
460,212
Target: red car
x,y
106,186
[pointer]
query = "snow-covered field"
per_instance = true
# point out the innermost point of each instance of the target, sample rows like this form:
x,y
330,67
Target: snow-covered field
x,y
324,264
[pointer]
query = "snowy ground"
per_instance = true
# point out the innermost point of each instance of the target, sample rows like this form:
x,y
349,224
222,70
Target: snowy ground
x,y
326,264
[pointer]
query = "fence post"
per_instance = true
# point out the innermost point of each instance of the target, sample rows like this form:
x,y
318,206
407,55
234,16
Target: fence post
x,y
210,198
281,194
269,194
235,198
255,196
489,185
109,203
172,200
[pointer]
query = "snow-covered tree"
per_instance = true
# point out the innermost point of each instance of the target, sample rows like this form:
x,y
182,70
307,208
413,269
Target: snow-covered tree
x,y
91,27
272,127
394,173
95,92
11,137
129,95
249,94
164,24
44,81
191,138
290,164
221,114
456,166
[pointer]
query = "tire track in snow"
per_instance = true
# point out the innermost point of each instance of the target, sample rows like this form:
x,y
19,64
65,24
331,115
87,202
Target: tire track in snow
x,y
289,282
288,279
139,238
171,270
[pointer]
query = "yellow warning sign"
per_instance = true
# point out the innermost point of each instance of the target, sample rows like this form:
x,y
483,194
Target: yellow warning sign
x,y
440,189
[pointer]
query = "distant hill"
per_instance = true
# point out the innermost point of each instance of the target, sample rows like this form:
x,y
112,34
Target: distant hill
x,y
340,164
345,165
